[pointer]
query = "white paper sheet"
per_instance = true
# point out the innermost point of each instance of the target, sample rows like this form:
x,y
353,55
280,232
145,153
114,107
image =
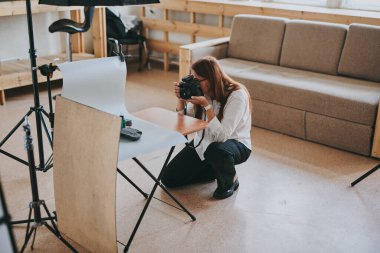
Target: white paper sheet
x,y
100,83
153,138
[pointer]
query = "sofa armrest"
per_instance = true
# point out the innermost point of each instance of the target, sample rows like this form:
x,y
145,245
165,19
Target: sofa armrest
x,y
192,52
376,136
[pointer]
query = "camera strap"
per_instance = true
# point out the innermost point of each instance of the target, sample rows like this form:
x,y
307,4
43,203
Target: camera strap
x,y
193,146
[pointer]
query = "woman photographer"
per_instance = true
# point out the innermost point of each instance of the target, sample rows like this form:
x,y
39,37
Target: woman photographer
x,y
226,104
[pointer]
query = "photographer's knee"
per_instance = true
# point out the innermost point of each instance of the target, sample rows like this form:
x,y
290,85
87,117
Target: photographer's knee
x,y
168,181
214,151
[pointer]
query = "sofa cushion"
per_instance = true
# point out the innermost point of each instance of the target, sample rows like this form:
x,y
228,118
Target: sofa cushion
x,y
278,118
314,46
339,97
257,38
361,53
338,133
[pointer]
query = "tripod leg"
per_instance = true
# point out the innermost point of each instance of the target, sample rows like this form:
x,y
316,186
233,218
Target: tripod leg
x,y
15,128
59,236
34,238
28,235
46,129
50,217
365,175
28,224
132,183
50,117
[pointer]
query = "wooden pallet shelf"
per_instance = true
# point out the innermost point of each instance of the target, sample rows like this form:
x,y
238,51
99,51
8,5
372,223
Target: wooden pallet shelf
x,y
17,73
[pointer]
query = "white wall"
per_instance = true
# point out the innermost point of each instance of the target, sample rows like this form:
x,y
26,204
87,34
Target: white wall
x,y
14,40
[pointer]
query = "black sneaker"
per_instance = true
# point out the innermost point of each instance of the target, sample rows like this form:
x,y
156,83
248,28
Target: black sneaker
x,y
225,193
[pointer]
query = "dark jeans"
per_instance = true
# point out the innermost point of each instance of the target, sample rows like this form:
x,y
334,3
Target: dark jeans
x,y
220,160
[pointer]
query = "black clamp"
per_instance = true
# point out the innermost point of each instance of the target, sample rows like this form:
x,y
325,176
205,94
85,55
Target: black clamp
x,y
48,70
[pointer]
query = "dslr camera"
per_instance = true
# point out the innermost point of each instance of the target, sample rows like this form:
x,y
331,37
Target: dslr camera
x,y
189,86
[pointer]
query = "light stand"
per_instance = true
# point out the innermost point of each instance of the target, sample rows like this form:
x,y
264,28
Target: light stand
x,y
35,205
37,108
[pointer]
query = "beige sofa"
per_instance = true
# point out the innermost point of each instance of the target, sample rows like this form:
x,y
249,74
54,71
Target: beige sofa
x,y
312,80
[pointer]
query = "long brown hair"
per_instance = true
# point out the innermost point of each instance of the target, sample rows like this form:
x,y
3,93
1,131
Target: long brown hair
x,y
221,85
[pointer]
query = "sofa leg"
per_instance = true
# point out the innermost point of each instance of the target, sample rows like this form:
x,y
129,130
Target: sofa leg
x,y
365,175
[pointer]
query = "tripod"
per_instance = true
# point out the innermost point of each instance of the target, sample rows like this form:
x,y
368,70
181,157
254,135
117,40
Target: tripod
x,y
35,205
36,108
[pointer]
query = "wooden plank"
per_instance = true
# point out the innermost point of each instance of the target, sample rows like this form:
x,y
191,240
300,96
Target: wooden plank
x,y
220,21
160,46
142,11
77,38
2,97
99,32
207,43
184,62
166,40
187,28
177,5
193,21
185,59
205,8
17,73
85,162
376,137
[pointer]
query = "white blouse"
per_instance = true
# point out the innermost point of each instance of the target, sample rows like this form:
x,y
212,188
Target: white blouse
x,y
236,123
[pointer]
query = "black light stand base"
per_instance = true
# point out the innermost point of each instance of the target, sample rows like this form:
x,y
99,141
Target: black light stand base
x,y
365,175
16,222
32,229
36,203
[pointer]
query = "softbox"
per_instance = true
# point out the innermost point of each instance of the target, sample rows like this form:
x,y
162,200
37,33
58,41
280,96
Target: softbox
x,y
96,2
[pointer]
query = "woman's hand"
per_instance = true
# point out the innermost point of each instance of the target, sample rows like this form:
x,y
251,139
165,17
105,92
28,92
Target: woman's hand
x,y
198,100
202,101
176,90
181,102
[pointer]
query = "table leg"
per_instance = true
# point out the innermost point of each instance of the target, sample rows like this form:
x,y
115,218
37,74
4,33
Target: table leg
x,y
148,201
158,181
132,183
